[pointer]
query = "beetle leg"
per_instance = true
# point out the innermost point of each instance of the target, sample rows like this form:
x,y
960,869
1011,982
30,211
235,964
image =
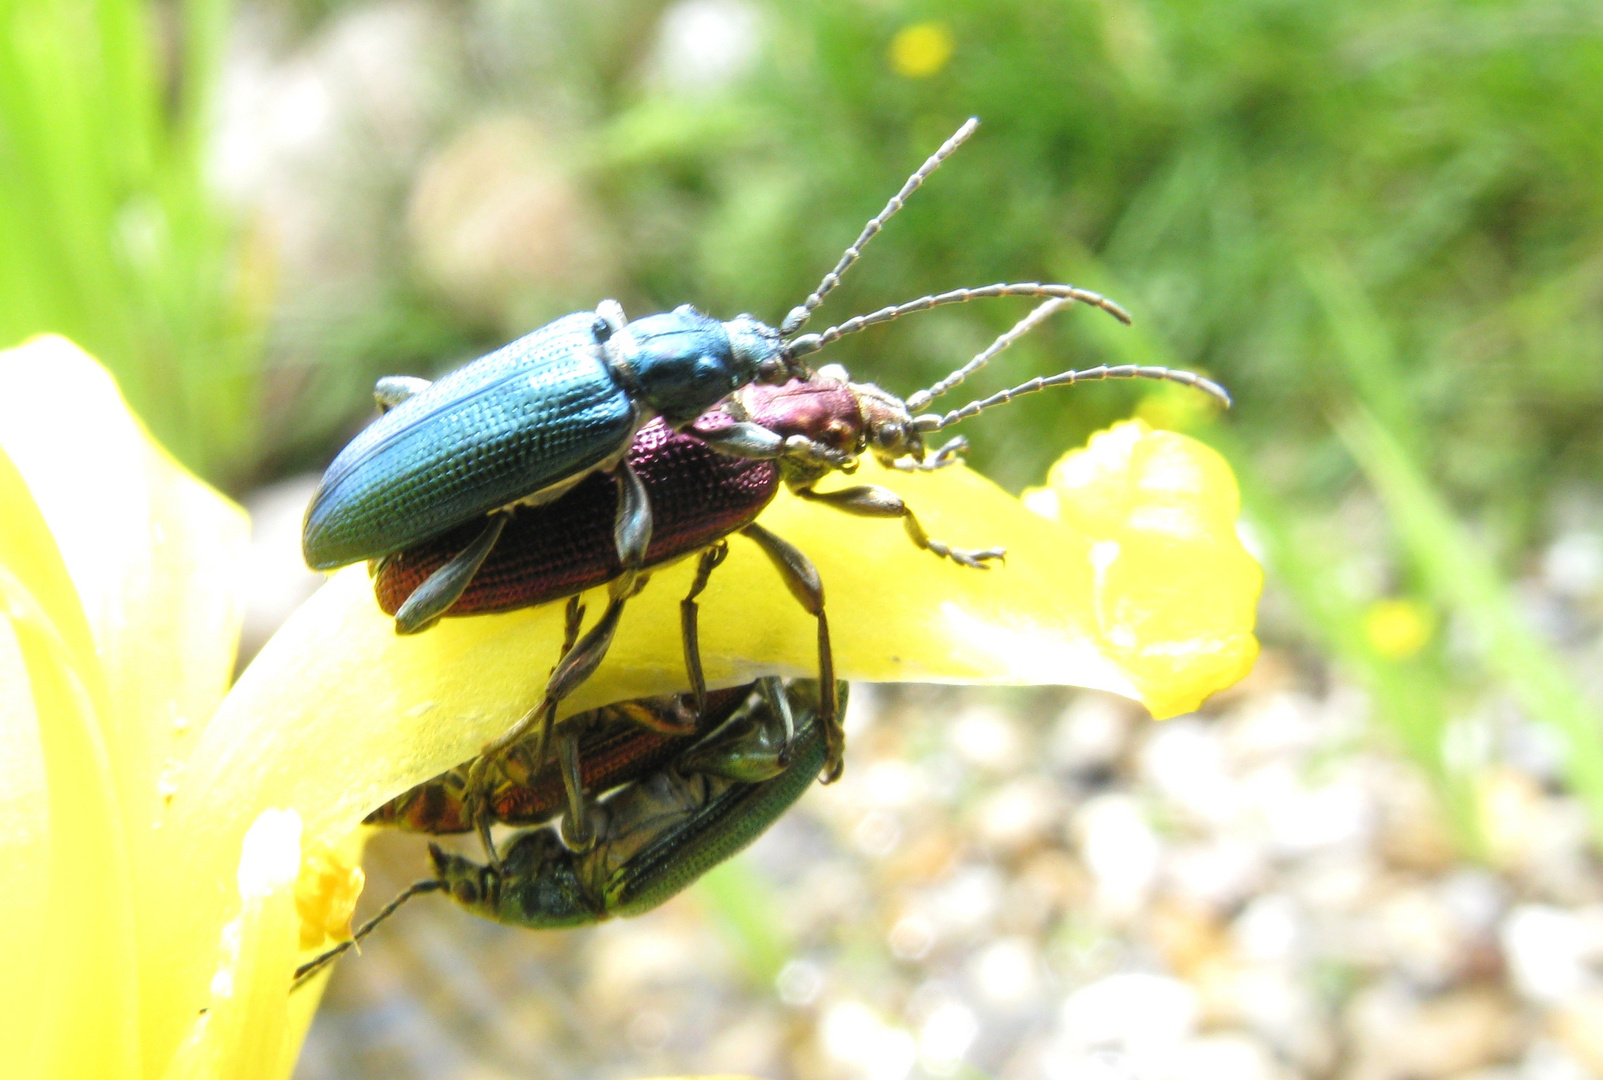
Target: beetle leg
x,y
744,439
868,500
773,688
665,716
689,631
801,578
577,831
432,599
391,390
476,788
631,530
571,671
946,455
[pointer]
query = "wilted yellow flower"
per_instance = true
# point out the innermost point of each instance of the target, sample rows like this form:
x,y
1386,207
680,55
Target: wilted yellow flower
x,y
922,49
179,845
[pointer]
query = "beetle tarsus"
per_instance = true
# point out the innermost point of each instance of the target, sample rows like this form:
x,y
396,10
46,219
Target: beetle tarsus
x,y
577,830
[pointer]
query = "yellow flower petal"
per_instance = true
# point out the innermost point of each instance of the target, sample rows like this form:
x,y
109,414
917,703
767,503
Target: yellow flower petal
x,y
326,891
87,965
1176,593
1398,628
242,1033
151,553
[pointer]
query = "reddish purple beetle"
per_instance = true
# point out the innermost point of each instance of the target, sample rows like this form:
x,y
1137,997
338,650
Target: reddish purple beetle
x,y
699,496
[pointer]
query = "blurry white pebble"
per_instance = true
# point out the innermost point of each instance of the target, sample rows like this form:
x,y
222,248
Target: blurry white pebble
x,y
799,982
1219,1057
988,738
1573,564
1091,733
1007,973
1131,1009
1121,851
945,1036
876,1050
1546,950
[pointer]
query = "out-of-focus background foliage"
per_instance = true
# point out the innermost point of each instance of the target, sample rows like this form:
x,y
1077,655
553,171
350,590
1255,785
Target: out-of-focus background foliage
x,y
1381,224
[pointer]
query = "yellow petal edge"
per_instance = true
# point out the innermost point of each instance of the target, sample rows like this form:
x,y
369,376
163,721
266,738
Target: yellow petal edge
x,y
1176,593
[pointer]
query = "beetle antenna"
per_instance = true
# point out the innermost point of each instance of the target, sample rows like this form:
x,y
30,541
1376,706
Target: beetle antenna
x,y
810,343
312,967
922,398
800,314
935,422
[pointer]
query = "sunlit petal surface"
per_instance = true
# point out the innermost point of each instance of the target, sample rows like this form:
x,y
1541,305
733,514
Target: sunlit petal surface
x,y
116,568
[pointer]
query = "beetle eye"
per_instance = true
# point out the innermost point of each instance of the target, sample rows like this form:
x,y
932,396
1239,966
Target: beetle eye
x,y
888,434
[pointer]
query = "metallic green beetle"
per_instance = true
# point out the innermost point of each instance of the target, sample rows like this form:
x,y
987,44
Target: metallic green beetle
x,y
654,836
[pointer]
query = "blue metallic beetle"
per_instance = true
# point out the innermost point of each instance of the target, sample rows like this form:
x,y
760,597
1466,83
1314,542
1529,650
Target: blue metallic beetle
x,y
521,426
525,423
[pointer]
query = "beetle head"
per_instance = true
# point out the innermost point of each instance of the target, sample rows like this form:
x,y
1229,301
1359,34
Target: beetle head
x,y
889,425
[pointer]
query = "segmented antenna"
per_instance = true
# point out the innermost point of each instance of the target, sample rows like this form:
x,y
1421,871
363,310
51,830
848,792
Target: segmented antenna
x,y
801,313
933,422
922,399
312,967
810,343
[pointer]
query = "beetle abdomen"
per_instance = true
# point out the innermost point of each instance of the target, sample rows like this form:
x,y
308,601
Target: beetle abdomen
x,y
698,496
504,427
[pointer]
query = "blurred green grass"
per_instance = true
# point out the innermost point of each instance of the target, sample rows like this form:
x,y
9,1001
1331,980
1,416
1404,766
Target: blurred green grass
x,y
1378,223
108,231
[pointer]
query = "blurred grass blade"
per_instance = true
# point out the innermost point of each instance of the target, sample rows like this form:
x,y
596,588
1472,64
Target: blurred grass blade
x,y
745,907
108,233
1467,581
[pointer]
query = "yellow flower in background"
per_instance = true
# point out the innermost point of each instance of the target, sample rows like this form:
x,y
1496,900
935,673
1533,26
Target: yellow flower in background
x,y
1398,628
922,49
183,846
